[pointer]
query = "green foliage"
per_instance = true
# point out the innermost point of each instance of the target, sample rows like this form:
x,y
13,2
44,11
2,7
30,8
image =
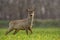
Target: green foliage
x,y
37,23
3,23
38,34
47,23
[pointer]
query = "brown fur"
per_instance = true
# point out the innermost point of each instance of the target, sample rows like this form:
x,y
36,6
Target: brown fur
x,y
25,24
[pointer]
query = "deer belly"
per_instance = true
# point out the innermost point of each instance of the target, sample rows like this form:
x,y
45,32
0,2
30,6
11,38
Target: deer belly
x,y
20,27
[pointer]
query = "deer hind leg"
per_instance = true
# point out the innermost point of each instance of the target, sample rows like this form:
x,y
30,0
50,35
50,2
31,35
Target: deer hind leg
x,y
16,30
29,28
9,30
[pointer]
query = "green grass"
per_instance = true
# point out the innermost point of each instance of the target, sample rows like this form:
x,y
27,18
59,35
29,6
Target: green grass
x,y
38,34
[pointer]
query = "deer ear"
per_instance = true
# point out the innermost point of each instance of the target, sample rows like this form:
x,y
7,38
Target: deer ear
x,y
26,9
34,9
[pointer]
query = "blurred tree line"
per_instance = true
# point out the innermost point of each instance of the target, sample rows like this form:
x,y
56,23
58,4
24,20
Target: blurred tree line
x,y
16,9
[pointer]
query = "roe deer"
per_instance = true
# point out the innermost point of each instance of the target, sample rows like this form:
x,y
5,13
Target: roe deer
x,y
25,24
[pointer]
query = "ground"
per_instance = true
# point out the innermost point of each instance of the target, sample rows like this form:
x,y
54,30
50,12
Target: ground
x,y
38,34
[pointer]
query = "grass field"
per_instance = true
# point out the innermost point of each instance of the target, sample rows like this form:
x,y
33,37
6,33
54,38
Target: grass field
x,y
38,34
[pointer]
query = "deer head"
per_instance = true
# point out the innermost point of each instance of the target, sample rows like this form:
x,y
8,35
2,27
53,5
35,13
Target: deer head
x,y
30,12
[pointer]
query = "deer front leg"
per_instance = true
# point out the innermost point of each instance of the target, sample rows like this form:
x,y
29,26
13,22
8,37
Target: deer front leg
x,y
30,29
26,30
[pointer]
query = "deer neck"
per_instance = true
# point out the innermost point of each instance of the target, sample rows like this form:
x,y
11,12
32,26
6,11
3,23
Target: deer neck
x,y
30,20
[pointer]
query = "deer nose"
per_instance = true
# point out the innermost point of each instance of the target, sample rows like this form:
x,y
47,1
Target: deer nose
x,y
30,15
